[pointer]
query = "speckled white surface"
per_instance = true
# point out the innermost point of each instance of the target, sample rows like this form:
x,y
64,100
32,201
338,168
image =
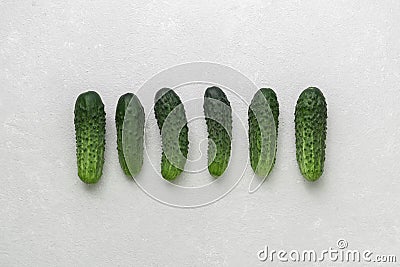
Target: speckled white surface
x,y
50,51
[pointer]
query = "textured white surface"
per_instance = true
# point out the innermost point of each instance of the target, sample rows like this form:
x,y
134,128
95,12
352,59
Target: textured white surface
x,y
50,51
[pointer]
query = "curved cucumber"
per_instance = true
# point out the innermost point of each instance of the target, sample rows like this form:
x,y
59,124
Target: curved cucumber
x,y
90,129
310,126
218,114
129,120
263,131
171,120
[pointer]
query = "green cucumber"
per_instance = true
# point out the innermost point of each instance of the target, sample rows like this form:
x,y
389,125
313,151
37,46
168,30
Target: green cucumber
x,y
218,114
129,120
172,123
263,131
310,127
90,129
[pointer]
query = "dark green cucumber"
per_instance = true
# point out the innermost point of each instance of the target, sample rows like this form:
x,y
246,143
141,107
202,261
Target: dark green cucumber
x,y
171,120
90,129
129,119
310,126
218,114
263,131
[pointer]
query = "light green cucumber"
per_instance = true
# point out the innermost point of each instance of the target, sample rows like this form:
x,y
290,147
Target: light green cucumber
x,y
129,120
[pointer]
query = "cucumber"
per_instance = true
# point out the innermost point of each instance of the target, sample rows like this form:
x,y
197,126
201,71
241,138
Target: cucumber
x,y
90,130
310,127
263,131
218,114
171,120
129,120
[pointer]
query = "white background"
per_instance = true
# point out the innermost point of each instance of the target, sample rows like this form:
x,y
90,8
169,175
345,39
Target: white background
x,y
51,51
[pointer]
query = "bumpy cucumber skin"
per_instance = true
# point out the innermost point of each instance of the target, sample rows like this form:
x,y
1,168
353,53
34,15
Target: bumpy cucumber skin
x,y
90,130
310,126
219,126
166,101
130,114
263,128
